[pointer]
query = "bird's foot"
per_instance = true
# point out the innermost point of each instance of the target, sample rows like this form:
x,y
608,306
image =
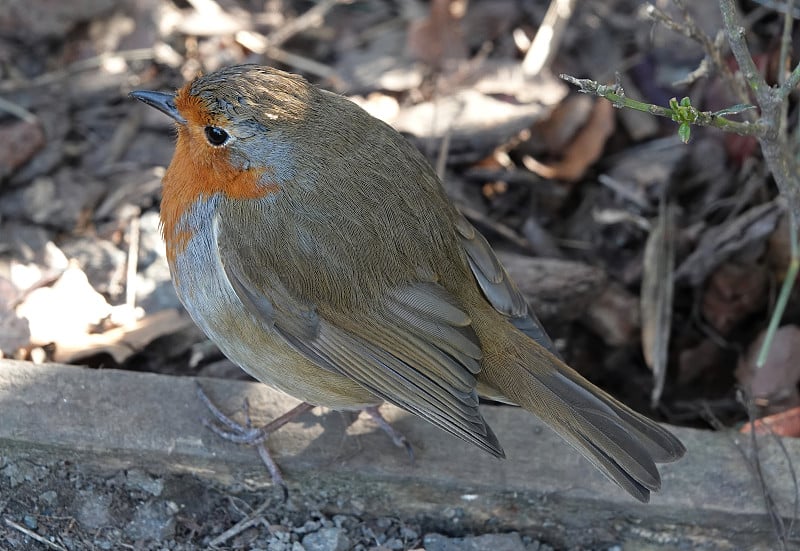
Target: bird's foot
x,y
397,437
246,434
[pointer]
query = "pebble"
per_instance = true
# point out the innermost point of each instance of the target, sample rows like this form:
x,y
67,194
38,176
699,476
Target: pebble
x,y
92,513
495,542
327,539
30,521
49,497
139,480
151,521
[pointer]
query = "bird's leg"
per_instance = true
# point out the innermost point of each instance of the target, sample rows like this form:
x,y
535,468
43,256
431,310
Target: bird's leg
x,y
252,436
397,438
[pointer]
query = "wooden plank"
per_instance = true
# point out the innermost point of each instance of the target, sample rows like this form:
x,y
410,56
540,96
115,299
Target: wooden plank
x,y
113,419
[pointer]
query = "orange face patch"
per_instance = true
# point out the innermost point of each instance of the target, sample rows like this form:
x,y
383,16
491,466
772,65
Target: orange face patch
x,y
198,171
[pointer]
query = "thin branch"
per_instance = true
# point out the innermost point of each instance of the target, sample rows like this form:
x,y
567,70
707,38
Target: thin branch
x,y
783,60
87,64
546,43
736,38
18,111
713,50
616,95
33,535
791,82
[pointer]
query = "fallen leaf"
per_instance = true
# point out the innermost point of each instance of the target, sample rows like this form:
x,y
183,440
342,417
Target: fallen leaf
x,y
784,423
734,292
614,316
564,122
721,242
475,122
438,38
122,342
14,331
656,297
64,312
584,150
21,140
774,385
697,361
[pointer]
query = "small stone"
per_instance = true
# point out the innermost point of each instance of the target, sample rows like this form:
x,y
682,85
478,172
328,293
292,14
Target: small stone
x,y
327,539
14,475
93,511
138,480
495,542
341,520
102,261
30,521
309,526
151,521
49,497
394,544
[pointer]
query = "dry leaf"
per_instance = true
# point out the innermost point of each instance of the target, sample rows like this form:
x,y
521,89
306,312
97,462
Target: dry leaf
x,y
475,122
656,297
438,38
21,140
555,132
774,385
734,292
785,423
14,331
122,342
65,312
613,315
583,151
721,242
697,361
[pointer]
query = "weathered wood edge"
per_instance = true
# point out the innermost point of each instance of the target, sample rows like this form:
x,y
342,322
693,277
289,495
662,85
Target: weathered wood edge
x,y
114,419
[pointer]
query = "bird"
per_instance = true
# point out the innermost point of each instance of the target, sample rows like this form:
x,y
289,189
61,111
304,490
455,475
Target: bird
x,y
316,246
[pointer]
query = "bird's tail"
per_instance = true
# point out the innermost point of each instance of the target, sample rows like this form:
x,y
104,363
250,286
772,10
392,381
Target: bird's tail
x,y
623,444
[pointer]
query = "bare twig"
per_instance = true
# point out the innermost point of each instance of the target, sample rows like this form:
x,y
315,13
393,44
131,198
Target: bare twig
x,y
713,48
33,535
311,18
260,44
78,67
270,45
783,60
736,38
133,262
755,466
548,38
18,111
250,520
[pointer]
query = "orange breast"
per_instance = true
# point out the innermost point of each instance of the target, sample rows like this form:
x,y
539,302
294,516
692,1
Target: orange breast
x,y
198,171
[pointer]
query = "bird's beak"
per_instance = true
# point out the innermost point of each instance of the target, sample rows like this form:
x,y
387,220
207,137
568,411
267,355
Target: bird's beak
x,y
162,101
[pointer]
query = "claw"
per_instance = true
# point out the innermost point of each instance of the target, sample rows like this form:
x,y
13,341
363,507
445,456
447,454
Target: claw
x,y
246,434
397,437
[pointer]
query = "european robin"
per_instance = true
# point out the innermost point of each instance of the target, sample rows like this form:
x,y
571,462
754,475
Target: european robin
x,y
315,245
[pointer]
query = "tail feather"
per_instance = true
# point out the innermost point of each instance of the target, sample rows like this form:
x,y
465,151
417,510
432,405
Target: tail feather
x,y
622,444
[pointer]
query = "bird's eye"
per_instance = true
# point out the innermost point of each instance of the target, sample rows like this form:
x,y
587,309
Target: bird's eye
x,y
216,136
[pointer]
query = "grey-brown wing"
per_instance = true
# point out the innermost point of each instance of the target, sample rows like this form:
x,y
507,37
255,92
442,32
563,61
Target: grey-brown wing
x,y
416,349
498,288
